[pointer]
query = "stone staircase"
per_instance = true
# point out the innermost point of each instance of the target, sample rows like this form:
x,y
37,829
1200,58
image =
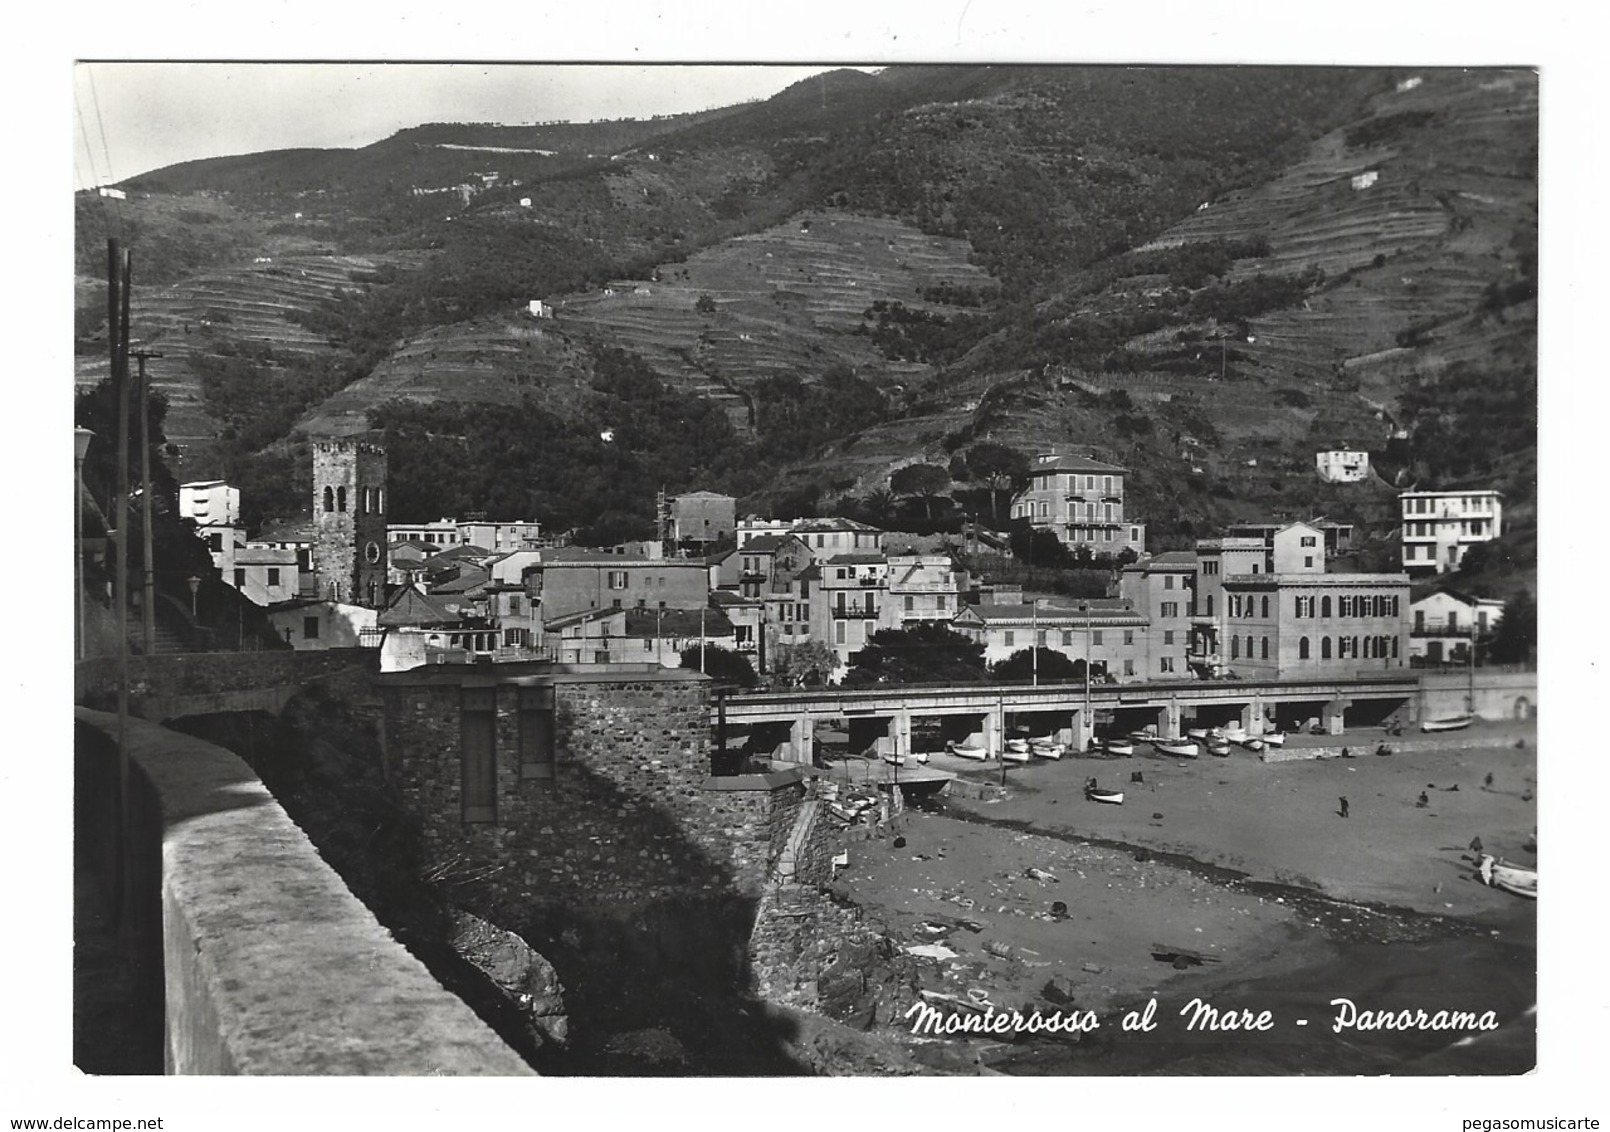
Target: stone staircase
x,y
165,641
788,861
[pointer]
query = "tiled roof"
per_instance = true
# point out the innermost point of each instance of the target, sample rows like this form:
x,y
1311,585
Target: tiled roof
x,y
863,558
761,544
650,623
831,523
1173,558
1073,464
410,607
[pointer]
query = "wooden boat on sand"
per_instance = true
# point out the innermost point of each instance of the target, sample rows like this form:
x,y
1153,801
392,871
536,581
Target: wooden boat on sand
x,y
1181,748
1106,797
1448,723
1499,873
1120,747
967,751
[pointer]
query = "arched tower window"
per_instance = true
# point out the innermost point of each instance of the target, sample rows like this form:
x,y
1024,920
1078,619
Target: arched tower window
x,y
380,500
1302,648
329,499
1265,648
1324,606
1324,648
1235,648
1265,606
341,499
1210,605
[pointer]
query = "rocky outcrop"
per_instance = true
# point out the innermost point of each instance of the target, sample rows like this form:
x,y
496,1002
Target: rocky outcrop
x,y
520,972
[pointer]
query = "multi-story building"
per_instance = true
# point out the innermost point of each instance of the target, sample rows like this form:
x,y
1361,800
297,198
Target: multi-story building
x,y
574,581
210,503
265,577
1337,538
1442,625
1342,465
1081,500
1314,625
1440,526
754,526
1163,589
702,516
922,588
833,535
441,534
1110,632
516,534
846,600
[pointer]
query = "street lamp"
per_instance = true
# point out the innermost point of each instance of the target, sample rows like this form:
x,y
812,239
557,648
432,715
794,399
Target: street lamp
x,y
81,439
195,584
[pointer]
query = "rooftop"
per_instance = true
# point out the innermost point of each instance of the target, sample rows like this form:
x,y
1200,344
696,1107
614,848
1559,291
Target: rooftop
x,y
1073,464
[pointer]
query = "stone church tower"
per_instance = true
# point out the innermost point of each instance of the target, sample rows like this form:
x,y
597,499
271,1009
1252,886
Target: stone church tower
x,y
349,518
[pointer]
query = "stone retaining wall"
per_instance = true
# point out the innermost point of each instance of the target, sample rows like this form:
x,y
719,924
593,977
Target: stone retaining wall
x,y
627,812
260,958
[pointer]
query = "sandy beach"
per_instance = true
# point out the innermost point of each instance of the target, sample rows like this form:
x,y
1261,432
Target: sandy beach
x,y
1244,865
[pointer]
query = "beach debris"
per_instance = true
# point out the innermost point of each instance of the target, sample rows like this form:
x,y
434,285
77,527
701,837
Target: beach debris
x,y
900,843
1040,875
998,949
1059,909
930,951
1157,817
1091,968
1058,990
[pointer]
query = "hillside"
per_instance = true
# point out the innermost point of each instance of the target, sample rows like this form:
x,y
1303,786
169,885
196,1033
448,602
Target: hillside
x,y
1205,273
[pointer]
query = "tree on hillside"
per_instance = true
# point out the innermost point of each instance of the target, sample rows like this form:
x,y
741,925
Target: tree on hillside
x,y
1515,642
1039,547
999,468
721,664
807,665
922,480
922,654
1024,665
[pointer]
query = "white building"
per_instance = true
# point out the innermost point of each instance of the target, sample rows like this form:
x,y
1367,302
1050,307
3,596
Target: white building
x,y
265,576
210,503
1343,465
442,532
1442,624
1440,526
753,526
316,624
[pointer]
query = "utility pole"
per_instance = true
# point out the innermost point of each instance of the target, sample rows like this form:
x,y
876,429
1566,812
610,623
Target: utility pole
x,y
1034,640
117,304
1090,730
701,639
148,602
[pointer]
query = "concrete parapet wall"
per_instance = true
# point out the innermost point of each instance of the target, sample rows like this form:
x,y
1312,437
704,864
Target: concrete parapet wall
x,y
267,964
166,677
1498,694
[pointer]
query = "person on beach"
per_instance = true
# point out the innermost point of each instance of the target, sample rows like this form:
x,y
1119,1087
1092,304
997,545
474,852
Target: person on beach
x,y
1488,783
1425,800
1344,805
1475,846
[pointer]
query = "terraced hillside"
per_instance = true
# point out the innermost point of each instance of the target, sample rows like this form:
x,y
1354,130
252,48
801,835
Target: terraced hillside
x,y
490,360
790,300
1395,253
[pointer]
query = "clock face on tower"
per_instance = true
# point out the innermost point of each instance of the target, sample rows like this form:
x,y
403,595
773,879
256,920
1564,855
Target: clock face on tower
x,y
371,552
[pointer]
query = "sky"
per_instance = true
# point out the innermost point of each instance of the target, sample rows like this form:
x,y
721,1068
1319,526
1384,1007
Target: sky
x,y
130,118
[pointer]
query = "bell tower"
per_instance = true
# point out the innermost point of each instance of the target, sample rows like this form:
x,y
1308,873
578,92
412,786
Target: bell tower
x,y
349,517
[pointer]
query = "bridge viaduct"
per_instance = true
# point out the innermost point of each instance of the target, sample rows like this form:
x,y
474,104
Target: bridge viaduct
x,y
782,725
